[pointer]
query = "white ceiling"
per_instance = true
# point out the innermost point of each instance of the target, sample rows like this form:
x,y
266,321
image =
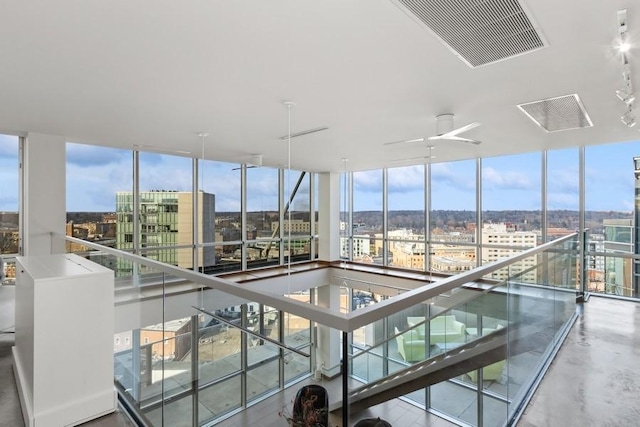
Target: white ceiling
x,y
157,72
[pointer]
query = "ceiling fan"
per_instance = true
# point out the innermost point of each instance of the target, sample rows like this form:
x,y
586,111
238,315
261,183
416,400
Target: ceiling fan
x,y
254,162
426,158
445,131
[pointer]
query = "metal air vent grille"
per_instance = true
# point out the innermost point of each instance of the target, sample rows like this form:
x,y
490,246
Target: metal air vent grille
x,y
480,32
555,114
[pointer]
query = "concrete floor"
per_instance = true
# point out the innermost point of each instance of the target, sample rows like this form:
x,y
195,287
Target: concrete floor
x,y
594,380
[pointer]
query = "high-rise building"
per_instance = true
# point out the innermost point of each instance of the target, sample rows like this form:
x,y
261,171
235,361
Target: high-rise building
x,y
166,221
296,226
361,246
506,240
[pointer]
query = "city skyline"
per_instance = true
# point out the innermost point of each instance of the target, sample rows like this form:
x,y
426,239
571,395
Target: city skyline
x,y
95,174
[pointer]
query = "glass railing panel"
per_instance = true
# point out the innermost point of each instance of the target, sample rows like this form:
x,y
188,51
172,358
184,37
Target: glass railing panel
x,y
483,312
538,316
152,364
525,268
155,366
219,398
109,261
176,256
125,372
528,320
122,268
565,262
387,346
612,274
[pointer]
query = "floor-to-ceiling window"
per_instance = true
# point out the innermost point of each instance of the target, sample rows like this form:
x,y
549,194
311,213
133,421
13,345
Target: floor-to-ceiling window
x,y
406,219
263,217
222,180
165,208
367,227
453,217
511,210
346,211
297,222
99,187
9,205
563,192
611,214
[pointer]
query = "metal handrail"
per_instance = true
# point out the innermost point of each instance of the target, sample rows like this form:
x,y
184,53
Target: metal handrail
x,y
340,321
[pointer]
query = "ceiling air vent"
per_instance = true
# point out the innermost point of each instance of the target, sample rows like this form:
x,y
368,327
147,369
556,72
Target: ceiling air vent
x,y
480,32
555,114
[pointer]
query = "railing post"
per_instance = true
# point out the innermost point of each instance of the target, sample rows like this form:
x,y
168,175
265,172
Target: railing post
x,y
345,379
582,267
194,368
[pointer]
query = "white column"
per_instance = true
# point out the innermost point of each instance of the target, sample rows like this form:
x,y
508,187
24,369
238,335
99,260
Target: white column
x,y
329,216
44,189
328,351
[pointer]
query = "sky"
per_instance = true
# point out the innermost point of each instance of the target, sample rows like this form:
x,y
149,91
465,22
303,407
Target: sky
x,y
95,174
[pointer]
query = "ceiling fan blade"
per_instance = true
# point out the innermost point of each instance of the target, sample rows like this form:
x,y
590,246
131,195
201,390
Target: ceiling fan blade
x,y
410,159
406,141
462,129
454,138
159,149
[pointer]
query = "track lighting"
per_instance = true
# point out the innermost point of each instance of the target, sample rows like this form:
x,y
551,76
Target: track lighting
x,y
625,96
626,72
628,119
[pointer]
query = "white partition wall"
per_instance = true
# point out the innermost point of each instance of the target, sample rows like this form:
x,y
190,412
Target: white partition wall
x,y
329,216
44,183
63,353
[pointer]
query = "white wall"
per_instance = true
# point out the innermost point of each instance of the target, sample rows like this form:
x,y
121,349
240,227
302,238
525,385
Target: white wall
x,y
44,189
329,216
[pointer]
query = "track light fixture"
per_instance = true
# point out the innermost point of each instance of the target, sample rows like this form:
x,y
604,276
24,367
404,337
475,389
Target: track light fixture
x,y
628,118
625,95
